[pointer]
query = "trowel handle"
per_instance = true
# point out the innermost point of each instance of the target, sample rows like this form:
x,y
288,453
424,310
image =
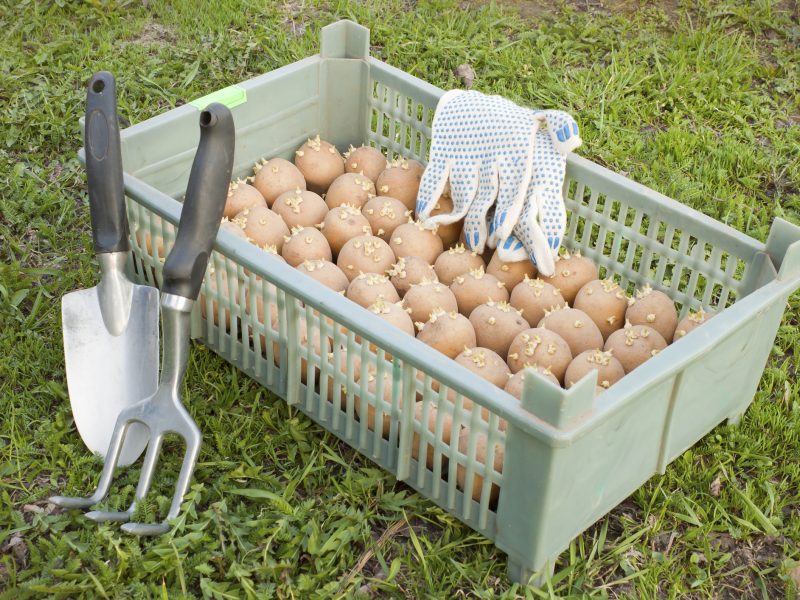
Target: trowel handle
x,y
104,166
186,264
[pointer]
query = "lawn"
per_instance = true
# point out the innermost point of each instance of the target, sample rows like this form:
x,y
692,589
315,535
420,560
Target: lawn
x,y
697,100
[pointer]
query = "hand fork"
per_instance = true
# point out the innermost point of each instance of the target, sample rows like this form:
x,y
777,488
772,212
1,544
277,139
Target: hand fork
x,y
184,269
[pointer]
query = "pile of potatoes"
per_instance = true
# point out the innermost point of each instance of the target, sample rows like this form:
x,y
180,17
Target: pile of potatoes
x,y
348,222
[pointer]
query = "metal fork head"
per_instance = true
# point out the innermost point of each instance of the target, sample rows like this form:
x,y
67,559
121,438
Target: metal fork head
x,y
162,413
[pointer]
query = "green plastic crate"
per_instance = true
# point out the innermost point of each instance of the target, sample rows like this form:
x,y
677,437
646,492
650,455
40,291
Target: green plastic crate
x,y
567,458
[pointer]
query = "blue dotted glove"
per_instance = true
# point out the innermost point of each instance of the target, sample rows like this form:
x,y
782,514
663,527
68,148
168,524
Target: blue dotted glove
x,y
538,232
484,146
561,138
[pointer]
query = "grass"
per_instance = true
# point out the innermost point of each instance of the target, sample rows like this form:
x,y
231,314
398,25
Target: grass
x,y
697,100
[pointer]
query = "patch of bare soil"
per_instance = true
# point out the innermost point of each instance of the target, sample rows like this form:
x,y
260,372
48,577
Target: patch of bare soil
x,y
155,33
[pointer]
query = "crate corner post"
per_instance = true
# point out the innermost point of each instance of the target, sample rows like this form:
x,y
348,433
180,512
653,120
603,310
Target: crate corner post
x,y
344,67
783,247
528,516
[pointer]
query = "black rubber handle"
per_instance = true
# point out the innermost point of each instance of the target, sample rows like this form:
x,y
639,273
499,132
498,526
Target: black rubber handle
x,y
104,166
186,264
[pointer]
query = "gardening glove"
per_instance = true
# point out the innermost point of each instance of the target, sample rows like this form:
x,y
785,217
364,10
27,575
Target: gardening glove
x,y
484,146
539,230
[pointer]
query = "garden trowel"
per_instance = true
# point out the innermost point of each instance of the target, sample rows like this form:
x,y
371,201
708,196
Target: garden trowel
x,y
111,332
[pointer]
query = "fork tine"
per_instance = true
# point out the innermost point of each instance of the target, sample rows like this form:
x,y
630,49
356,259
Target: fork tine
x,y
192,438
145,479
112,456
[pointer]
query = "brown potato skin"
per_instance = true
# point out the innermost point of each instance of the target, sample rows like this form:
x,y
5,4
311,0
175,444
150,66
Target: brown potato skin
x,y
423,299
300,208
320,163
275,177
533,297
385,214
605,302
655,309
607,374
350,188
305,244
576,327
365,254
541,347
643,341
366,160
573,271
454,262
496,326
342,224
367,288
413,239
511,273
475,288
241,195
449,333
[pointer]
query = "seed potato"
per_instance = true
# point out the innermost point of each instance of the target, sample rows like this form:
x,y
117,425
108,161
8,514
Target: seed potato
x,y
241,195
427,297
572,272
634,344
475,288
481,456
515,383
653,308
605,302
485,363
385,214
306,243
433,417
368,288
342,224
327,273
535,296
691,322
575,326
365,254
262,226
537,346
414,239
496,325
401,180
276,176
449,333
366,160
456,261
300,208
320,163
609,369
408,271
511,273
351,188
372,386
451,232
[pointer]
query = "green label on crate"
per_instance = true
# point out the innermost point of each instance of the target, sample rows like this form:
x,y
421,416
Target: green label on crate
x,y
229,96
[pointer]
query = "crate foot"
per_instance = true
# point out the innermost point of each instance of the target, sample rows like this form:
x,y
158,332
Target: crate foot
x,y
735,418
521,573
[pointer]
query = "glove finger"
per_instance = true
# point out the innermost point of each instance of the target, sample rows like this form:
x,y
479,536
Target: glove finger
x,y
552,218
511,249
535,237
475,231
515,177
464,182
549,167
563,131
431,186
